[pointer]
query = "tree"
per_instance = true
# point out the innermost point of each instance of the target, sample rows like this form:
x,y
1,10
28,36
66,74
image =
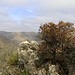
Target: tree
x,y
56,41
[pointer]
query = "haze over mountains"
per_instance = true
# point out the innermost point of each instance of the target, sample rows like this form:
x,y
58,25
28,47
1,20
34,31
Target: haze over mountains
x,y
18,37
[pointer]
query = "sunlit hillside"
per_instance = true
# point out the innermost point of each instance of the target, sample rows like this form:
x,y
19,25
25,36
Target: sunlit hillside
x,y
18,37
6,49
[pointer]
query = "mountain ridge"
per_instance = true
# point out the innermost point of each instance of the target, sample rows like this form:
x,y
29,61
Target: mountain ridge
x,y
18,37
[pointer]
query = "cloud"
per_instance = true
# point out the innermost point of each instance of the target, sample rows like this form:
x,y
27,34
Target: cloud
x,y
13,3
27,15
45,8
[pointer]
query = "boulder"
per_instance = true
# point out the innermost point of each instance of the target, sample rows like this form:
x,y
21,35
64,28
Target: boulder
x,y
27,54
33,45
24,45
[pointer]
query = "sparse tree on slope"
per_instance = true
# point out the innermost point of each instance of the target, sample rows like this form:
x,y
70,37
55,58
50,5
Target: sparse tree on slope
x,y
57,41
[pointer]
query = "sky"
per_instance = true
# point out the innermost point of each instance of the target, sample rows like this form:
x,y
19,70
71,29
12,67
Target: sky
x,y
28,15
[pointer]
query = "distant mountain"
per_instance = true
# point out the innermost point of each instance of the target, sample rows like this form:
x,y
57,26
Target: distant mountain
x,y
18,37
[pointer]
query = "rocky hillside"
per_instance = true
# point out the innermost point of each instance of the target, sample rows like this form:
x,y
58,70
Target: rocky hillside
x,y
6,49
27,55
29,63
18,37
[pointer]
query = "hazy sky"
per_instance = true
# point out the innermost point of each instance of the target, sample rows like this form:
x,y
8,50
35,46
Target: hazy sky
x,y
27,15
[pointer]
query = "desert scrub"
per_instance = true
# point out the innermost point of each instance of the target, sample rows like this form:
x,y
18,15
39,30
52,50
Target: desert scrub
x,y
13,59
14,70
20,73
5,73
24,73
12,62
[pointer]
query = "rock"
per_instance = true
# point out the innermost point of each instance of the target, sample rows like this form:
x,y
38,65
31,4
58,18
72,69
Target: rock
x,y
27,54
24,45
0,73
33,45
53,70
10,72
42,72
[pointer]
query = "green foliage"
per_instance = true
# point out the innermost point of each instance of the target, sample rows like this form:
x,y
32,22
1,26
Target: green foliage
x,y
5,73
13,64
24,73
13,60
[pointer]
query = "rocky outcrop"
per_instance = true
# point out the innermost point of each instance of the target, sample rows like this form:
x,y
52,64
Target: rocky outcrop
x,y
27,54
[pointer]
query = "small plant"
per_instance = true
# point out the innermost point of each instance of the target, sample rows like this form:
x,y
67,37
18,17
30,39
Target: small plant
x,y
24,73
13,63
13,60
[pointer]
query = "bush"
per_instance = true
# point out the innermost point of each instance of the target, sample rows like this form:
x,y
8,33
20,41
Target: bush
x,y
14,66
13,59
57,42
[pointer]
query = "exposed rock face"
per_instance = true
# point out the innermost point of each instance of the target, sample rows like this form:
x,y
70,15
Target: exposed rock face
x,y
28,56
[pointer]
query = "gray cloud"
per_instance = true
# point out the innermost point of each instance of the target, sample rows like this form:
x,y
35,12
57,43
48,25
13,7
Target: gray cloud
x,y
43,10
13,3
